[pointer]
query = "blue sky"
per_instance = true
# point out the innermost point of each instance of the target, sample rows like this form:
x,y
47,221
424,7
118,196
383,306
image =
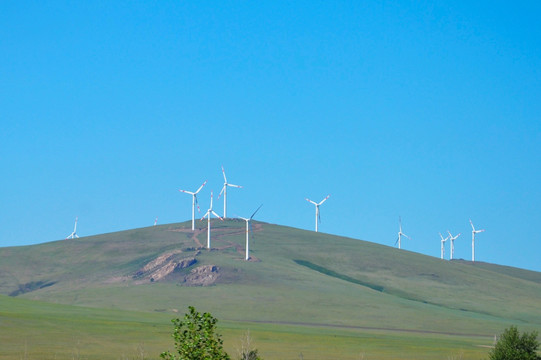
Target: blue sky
x,y
426,111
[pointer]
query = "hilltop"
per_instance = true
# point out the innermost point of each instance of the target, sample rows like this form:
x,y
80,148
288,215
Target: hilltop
x,y
294,276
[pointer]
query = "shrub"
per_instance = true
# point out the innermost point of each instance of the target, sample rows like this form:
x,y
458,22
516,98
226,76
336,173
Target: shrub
x,y
513,346
196,338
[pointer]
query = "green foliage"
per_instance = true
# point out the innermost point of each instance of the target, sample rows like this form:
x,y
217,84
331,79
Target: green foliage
x,y
196,338
511,345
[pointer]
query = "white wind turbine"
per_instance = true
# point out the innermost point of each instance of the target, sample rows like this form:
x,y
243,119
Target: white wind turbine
x,y
208,215
452,238
248,229
156,221
194,202
400,233
74,235
318,217
473,240
443,245
224,191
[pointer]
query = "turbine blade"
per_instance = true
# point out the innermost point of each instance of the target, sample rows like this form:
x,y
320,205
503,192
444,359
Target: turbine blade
x,y
218,216
232,185
251,217
204,216
473,228
198,190
396,242
322,201
185,191
221,192
223,172
196,202
313,202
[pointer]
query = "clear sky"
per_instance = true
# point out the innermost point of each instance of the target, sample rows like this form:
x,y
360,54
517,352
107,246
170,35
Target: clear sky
x,y
426,111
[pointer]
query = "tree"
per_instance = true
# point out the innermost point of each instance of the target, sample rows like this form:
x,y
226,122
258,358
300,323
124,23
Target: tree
x,y
513,346
196,338
247,351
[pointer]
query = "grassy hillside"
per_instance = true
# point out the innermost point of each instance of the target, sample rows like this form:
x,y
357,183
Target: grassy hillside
x,y
296,279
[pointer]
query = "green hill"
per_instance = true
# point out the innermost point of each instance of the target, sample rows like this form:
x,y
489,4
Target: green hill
x,y
296,278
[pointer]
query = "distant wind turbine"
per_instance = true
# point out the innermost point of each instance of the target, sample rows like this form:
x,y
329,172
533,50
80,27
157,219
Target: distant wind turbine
x,y
248,229
473,240
400,233
208,215
443,245
452,238
318,216
156,221
74,235
224,191
194,202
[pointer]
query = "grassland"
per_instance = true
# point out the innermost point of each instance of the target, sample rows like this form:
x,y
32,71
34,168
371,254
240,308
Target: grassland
x,y
324,296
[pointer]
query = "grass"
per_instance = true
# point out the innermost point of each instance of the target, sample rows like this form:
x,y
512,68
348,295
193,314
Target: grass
x,y
324,296
39,330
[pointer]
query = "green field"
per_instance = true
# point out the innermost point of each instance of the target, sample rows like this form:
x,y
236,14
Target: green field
x,y
322,296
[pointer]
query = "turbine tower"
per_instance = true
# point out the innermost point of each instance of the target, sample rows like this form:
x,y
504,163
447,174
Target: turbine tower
x,y
473,232
73,235
400,233
248,229
224,191
443,245
208,215
452,238
194,202
318,217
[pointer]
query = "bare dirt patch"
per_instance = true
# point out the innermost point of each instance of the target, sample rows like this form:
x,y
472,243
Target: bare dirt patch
x,y
163,266
205,275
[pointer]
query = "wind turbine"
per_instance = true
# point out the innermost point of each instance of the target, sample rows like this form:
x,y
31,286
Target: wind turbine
x,y
194,201
443,245
452,238
400,233
318,217
473,232
224,191
208,215
156,221
248,229
74,235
